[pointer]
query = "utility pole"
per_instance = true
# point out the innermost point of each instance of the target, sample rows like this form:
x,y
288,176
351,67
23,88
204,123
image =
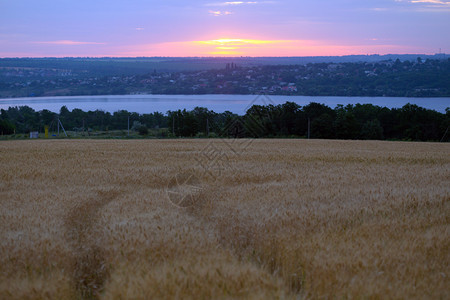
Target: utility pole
x,y
207,127
59,122
128,125
445,134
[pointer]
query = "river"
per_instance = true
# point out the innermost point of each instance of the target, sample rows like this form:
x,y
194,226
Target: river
x,y
218,103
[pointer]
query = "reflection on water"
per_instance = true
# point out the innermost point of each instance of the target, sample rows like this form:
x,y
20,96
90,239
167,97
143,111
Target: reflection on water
x,y
218,103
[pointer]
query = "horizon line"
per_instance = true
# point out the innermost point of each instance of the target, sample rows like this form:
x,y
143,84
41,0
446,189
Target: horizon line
x,y
228,57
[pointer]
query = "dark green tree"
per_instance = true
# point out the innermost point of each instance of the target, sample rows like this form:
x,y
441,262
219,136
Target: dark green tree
x,y
345,124
6,127
372,130
322,127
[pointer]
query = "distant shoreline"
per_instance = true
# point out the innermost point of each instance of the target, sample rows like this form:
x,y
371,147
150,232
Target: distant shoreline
x,y
193,95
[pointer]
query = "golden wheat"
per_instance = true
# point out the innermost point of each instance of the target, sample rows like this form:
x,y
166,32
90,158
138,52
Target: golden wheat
x,y
257,219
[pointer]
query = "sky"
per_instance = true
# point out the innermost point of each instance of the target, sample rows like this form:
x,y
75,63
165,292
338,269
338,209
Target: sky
x,y
181,28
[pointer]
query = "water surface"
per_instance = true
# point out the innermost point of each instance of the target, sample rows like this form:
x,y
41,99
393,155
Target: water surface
x,y
218,103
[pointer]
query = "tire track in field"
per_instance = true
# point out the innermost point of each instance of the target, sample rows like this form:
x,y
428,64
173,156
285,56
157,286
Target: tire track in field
x,y
88,265
239,236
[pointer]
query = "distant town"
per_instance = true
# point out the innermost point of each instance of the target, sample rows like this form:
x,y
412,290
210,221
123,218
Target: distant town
x,y
419,77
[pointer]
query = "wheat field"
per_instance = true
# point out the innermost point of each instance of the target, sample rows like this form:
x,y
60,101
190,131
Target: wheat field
x,y
219,219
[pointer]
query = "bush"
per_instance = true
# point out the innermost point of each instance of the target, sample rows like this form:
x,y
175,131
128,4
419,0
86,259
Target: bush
x,y
6,127
143,130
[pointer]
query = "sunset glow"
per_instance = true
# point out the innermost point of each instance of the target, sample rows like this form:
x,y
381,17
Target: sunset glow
x,y
222,28
232,47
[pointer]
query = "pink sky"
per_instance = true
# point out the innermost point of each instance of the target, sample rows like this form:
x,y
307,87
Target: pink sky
x,y
61,28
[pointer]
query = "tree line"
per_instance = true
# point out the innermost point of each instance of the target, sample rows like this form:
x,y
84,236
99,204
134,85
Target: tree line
x,y
315,120
24,119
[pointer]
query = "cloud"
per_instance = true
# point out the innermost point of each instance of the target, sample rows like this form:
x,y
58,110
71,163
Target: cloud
x,y
139,28
219,13
232,3
418,6
428,3
239,3
68,43
379,9
446,3
238,42
235,3
431,5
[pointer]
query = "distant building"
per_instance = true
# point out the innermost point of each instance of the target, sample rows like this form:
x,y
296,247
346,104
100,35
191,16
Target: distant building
x,y
290,88
231,66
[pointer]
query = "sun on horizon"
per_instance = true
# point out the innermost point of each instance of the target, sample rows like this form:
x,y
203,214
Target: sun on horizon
x,y
259,47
